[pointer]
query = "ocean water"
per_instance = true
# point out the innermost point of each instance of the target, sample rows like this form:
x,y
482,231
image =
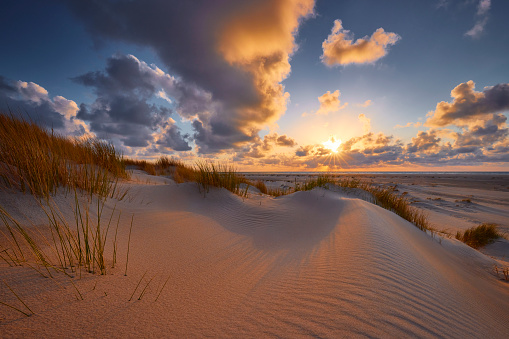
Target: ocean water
x,y
375,173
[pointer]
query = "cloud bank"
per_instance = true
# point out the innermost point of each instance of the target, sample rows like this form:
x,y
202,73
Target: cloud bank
x,y
123,109
471,130
236,52
340,49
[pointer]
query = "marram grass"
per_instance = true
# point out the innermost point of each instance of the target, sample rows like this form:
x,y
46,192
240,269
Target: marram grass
x,y
38,161
479,236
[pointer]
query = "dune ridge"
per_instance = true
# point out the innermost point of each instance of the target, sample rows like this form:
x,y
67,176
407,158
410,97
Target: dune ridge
x,y
315,263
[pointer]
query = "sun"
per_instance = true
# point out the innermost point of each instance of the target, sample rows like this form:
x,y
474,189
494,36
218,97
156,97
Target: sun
x,y
332,144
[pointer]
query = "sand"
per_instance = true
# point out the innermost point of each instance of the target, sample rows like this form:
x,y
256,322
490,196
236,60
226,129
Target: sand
x,y
320,263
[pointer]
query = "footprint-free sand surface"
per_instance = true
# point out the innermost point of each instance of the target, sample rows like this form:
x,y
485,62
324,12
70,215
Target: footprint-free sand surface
x,y
320,263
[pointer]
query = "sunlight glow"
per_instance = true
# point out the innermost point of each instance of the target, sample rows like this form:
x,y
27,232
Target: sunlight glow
x,y
332,144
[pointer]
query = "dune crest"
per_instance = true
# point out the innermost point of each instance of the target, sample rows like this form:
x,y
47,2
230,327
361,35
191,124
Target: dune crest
x,y
314,263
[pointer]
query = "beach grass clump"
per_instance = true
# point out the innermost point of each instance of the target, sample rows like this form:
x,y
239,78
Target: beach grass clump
x,y
320,181
38,161
479,236
386,198
261,186
144,165
165,166
277,192
181,171
70,246
209,174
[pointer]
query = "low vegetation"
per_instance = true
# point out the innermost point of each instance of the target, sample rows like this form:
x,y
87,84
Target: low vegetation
x,y
209,175
261,186
320,181
38,161
70,245
479,236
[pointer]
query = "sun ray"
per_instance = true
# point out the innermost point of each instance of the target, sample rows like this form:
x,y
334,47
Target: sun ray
x,y
332,144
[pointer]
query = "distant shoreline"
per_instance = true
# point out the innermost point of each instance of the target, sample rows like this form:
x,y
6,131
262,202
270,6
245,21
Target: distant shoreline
x,y
378,173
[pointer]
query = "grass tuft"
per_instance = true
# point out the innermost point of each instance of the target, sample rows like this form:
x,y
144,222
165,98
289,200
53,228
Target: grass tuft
x,y
479,236
38,161
261,186
209,175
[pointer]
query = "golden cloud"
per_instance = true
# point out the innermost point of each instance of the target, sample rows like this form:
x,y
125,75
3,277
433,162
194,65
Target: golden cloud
x,y
329,102
340,49
260,40
366,123
470,107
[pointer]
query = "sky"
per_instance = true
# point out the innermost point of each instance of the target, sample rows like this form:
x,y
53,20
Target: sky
x,y
269,85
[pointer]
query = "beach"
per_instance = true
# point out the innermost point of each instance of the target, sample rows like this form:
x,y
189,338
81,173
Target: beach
x,y
319,263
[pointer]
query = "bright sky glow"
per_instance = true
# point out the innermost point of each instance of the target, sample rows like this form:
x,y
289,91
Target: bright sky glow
x,y
419,85
332,144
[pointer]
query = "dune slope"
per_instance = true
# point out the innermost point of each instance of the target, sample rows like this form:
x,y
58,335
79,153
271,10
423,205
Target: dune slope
x,y
316,263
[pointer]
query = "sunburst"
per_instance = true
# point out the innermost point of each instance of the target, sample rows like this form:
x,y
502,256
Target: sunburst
x,y
332,144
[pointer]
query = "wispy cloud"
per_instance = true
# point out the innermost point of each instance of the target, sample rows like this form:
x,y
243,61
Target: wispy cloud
x,y
481,19
366,123
410,124
366,103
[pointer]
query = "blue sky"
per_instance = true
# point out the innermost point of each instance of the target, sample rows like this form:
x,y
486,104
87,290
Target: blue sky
x,y
242,79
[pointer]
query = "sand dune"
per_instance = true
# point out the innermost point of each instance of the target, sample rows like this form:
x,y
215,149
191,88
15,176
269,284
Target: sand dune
x,y
316,263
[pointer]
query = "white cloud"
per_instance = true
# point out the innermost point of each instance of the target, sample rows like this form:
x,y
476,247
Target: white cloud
x,y
482,19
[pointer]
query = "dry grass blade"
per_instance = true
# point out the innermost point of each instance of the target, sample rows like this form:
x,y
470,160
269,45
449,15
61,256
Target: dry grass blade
x,y
162,288
138,285
18,299
128,245
143,292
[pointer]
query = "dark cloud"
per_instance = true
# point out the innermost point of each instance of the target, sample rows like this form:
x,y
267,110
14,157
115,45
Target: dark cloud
x,y
424,142
173,138
123,110
469,106
260,148
230,56
491,132
284,140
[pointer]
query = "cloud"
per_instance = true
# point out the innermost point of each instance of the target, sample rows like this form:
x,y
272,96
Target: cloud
x,y
171,137
481,19
424,142
469,106
340,49
32,101
122,109
471,130
409,124
329,102
235,51
486,134
366,123
261,148
365,104
443,4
